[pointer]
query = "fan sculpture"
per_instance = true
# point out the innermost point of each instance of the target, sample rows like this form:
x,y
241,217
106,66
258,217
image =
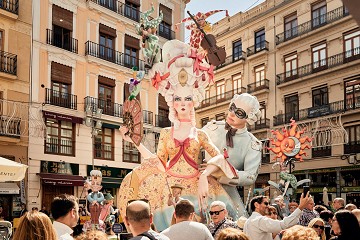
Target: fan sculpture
x,y
133,120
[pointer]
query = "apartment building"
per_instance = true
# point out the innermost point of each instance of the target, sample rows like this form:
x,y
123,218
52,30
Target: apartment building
x,y
15,44
301,59
83,55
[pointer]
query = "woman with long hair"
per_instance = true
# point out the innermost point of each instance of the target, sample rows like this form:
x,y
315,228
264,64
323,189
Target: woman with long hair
x,y
319,226
345,226
35,225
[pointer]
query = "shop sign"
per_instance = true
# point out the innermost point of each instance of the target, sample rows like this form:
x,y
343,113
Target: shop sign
x,y
318,111
317,190
354,167
110,171
58,182
321,170
62,117
59,168
350,189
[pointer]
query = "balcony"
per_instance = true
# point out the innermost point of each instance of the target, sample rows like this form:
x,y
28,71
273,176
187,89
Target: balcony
x,y
61,41
261,46
110,55
232,59
313,24
257,86
221,98
10,6
328,63
166,32
60,99
162,121
10,126
131,12
314,112
148,117
8,63
263,123
321,152
352,147
109,108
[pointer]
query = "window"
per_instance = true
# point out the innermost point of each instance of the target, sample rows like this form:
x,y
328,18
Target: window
x,y
236,83
263,111
290,66
106,99
107,42
220,117
103,144
130,153
291,108
237,50
132,46
165,25
61,80
290,25
220,90
321,151
259,75
109,4
265,153
260,40
318,14
62,21
132,9
319,56
1,103
352,44
352,93
2,40
354,134
320,97
204,121
60,137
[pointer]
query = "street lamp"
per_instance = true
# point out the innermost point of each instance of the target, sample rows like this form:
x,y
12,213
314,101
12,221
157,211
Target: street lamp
x,y
93,120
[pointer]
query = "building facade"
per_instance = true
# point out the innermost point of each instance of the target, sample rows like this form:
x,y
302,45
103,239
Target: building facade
x,y
83,55
301,60
15,45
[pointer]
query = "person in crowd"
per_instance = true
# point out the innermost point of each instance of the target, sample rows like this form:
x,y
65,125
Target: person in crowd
x,y
218,214
260,227
65,211
82,211
175,195
279,200
23,209
43,210
292,207
272,213
338,204
35,209
327,216
138,220
184,216
350,207
356,212
308,213
92,235
241,222
319,226
319,208
345,226
298,232
232,234
35,225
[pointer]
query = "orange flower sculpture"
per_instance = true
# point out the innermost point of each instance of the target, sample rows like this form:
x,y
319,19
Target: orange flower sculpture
x,y
289,143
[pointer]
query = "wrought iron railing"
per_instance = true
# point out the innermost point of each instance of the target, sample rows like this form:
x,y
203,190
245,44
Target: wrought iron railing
x,y
166,32
162,121
315,23
8,63
131,12
352,147
59,146
109,108
221,98
330,62
10,6
61,41
261,46
261,124
231,59
60,99
109,54
257,86
321,151
10,126
148,117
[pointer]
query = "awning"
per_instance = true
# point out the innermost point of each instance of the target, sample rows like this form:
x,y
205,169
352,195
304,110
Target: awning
x,y
9,188
108,182
61,179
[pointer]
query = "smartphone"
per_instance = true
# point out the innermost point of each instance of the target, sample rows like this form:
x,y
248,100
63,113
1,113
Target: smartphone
x,y
305,190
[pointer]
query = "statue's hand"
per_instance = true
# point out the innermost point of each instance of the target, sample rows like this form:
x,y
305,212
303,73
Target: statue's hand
x,y
203,191
123,131
202,167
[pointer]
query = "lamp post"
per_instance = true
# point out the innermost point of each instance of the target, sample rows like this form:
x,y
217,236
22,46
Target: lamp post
x,y
93,120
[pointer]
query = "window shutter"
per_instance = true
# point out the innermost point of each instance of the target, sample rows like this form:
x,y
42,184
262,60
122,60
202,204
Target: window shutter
x,y
135,2
132,42
167,12
162,103
64,15
107,30
106,81
61,73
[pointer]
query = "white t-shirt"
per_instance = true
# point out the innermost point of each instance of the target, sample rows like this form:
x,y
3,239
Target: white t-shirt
x,y
63,231
188,230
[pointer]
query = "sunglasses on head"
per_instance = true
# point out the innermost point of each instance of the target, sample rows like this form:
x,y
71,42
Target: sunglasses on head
x,y
318,226
239,112
216,212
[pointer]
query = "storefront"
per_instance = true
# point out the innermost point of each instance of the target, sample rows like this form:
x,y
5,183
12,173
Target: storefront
x,y
58,178
10,200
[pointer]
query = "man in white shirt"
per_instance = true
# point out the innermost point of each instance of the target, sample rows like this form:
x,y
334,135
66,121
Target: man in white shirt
x,y
65,211
185,228
260,227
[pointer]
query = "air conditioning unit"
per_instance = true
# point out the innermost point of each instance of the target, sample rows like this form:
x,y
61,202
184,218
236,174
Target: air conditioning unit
x,y
358,156
352,159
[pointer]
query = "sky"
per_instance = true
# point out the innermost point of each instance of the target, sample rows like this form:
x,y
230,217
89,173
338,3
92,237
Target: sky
x,y
233,6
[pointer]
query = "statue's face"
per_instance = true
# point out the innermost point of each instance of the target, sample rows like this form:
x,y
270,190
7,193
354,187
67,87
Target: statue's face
x,y
183,102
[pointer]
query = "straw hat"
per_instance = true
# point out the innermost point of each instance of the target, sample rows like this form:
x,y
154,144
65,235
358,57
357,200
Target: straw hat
x,y
176,185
